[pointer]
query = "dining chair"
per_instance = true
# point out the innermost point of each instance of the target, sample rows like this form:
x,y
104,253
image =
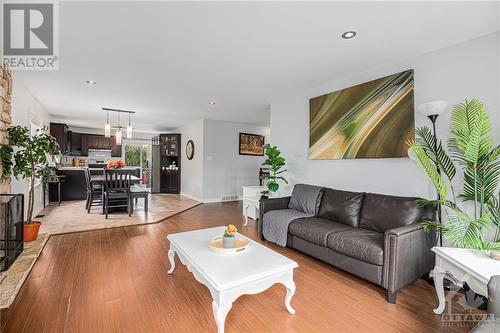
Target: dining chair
x,y
94,192
117,190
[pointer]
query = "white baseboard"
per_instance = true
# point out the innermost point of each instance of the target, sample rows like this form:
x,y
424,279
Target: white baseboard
x,y
191,197
214,200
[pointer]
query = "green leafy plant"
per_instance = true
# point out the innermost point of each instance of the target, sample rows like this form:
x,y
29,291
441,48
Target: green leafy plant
x,y
471,149
26,158
276,164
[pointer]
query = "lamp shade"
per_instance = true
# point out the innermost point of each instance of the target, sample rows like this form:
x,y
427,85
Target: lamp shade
x,y
434,108
118,136
129,131
107,129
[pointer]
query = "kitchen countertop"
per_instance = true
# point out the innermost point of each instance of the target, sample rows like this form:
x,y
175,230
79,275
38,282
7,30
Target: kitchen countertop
x,y
70,168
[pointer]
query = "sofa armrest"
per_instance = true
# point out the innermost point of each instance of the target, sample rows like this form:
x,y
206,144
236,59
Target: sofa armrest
x,y
407,255
400,231
267,205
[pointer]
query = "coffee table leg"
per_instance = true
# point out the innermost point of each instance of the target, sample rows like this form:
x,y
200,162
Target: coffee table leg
x,y
171,258
290,290
220,312
438,283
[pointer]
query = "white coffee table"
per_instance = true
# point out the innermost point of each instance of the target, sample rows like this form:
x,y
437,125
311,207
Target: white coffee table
x,y
228,277
466,265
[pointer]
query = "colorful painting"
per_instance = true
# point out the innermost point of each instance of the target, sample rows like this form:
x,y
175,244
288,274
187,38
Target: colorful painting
x,y
370,120
251,144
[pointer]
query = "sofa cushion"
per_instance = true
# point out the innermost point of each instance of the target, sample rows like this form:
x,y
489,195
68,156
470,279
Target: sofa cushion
x,y
275,224
341,206
315,230
383,212
306,198
362,244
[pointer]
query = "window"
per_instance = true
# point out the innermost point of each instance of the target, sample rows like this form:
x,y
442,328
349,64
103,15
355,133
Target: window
x,y
34,128
139,155
136,155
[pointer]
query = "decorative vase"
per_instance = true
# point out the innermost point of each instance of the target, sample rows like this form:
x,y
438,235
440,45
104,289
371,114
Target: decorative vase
x,y
228,242
31,231
495,254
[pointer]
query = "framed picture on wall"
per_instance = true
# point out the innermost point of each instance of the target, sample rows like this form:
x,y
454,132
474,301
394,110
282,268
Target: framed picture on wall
x,y
251,144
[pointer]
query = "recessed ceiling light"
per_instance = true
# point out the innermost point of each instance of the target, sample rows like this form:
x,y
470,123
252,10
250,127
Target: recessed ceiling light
x,y
349,34
211,103
90,82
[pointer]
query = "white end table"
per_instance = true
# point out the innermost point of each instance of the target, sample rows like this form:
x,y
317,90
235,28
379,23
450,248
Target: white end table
x,y
467,265
251,205
229,277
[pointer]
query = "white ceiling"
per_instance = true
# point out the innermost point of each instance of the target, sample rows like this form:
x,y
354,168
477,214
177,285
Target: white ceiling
x,y
168,60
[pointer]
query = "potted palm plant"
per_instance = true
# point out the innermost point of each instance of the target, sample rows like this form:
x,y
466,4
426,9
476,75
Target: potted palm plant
x,y
27,158
471,149
276,164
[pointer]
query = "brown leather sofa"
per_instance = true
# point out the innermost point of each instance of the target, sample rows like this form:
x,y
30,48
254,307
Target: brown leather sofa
x,y
376,237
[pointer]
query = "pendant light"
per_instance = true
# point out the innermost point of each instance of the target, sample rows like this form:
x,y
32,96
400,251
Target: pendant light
x,y
107,126
129,128
118,134
119,128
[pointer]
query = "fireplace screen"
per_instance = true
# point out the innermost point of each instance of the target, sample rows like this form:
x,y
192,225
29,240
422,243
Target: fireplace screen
x,y
11,228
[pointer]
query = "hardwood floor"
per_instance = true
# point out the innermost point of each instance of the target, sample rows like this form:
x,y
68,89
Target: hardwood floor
x,y
115,280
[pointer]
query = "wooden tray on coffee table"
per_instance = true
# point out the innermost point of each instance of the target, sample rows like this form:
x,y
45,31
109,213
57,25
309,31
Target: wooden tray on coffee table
x,y
240,245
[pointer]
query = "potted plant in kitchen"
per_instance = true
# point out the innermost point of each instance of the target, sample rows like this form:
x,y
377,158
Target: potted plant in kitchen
x,y
276,164
26,157
470,148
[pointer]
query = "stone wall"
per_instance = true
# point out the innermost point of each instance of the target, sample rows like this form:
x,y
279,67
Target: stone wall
x,y
5,117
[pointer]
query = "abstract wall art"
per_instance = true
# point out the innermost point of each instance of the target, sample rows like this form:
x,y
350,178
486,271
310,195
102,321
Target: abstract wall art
x,y
370,120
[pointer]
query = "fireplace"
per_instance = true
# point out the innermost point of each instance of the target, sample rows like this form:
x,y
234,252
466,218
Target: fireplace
x,y
11,228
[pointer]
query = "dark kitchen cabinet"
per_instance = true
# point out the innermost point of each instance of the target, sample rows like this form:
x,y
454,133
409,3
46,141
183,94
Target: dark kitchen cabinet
x,y
78,144
85,144
116,150
107,142
60,133
93,141
170,181
169,146
75,140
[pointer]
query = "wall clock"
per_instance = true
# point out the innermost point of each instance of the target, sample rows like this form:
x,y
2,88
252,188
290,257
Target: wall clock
x,y
190,149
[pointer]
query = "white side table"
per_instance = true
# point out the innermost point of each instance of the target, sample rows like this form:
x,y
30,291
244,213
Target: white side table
x,y
251,197
467,265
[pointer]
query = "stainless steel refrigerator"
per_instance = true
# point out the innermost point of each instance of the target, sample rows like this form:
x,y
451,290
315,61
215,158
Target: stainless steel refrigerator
x,y
155,168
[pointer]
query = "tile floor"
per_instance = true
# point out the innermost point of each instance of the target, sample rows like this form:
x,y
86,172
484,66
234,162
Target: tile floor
x,y
71,216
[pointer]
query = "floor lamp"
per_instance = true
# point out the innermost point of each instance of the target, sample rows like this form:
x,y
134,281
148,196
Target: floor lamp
x,y
432,110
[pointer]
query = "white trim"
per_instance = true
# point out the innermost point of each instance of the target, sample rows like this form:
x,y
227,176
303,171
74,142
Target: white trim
x,y
191,197
211,200
214,200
